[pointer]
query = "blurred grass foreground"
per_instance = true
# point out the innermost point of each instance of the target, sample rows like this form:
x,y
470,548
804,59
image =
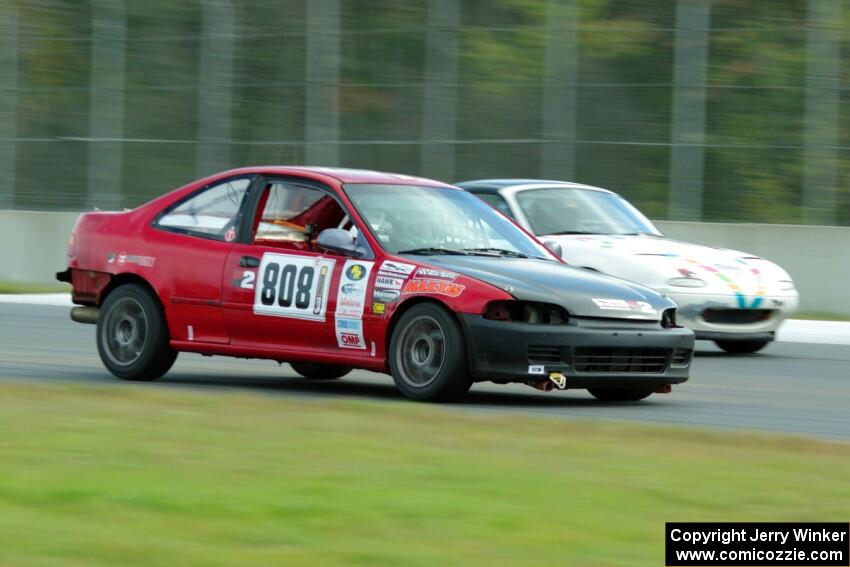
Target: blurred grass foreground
x,y
137,476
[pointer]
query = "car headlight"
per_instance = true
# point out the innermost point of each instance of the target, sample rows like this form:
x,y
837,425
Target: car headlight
x,y
526,312
687,282
786,285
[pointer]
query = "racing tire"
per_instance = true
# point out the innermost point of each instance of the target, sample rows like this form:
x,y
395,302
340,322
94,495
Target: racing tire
x,y
742,347
620,394
427,355
313,371
132,337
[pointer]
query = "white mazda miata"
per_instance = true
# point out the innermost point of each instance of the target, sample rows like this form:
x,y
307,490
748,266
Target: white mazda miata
x,y
736,299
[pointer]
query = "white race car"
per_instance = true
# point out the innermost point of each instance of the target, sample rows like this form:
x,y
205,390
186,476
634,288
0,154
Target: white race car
x,y
733,298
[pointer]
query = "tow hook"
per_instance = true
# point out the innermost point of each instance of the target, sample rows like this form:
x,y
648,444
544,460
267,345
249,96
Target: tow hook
x,y
558,379
665,389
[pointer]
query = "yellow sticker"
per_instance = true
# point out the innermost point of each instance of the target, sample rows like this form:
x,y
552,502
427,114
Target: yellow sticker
x,y
379,308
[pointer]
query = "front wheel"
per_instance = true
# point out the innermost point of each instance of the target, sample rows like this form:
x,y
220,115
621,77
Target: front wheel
x,y
314,371
428,355
132,338
742,347
620,394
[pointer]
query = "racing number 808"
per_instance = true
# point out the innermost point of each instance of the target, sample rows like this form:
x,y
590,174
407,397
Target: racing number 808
x,y
287,283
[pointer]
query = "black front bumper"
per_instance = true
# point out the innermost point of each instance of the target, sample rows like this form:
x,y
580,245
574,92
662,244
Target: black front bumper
x,y
515,352
715,336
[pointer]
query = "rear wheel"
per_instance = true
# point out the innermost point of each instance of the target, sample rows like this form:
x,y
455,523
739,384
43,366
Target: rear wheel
x,y
428,355
742,347
620,394
314,371
132,338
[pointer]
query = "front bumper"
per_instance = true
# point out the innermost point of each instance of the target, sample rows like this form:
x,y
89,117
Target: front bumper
x,y
693,306
517,352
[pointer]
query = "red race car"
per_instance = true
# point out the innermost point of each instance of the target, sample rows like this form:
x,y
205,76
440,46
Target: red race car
x,y
333,269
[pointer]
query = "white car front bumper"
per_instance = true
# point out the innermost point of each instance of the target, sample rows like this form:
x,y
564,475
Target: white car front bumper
x,y
720,316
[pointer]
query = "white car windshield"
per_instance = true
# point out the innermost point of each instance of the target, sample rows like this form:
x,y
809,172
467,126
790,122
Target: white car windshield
x,y
571,210
410,219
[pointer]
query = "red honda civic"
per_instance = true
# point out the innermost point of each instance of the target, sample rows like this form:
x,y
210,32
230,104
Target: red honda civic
x,y
333,269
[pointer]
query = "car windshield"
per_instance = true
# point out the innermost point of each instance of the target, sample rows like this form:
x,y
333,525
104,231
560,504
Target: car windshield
x,y
410,219
571,210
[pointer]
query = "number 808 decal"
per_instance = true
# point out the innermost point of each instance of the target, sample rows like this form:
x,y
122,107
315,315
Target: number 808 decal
x,y
293,286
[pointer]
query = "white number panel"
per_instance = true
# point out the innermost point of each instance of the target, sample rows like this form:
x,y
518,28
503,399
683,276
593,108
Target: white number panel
x,y
293,286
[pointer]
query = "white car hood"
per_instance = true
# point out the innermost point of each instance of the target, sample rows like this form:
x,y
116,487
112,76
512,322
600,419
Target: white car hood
x,y
653,261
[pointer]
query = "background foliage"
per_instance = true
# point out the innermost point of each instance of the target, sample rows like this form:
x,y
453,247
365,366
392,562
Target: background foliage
x,y
755,104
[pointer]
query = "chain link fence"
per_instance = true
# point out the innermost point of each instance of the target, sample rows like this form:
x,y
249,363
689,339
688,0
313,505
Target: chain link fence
x,y
718,110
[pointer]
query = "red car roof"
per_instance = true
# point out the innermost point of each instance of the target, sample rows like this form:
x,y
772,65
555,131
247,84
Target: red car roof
x,y
344,175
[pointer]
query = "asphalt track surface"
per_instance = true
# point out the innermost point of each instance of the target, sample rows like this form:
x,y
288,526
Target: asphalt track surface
x,y
792,387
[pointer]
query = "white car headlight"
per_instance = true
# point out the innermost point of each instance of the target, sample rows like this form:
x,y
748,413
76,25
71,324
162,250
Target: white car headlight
x,y
786,285
686,282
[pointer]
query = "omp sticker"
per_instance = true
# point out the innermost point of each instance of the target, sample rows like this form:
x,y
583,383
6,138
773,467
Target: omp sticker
x,y
379,308
535,369
386,295
431,273
614,304
440,287
397,268
293,286
388,282
350,304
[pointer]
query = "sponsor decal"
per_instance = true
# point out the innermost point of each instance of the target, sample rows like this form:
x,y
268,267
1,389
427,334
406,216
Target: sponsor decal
x,y
379,308
350,340
536,369
230,235
386,295
613,304
388,282
124,258
438,274
397,268
110,258
642,306
440,287
351,289
350,304
356,272
623,305
349,324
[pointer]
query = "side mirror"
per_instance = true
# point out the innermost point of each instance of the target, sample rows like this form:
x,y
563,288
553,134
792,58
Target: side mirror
x,y
554,247
338,241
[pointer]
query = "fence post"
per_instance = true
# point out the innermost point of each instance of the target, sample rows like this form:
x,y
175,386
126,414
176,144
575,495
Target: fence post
x,y
560,59
8,102
439,115
321,107
687,130
821,136
106,103
215,97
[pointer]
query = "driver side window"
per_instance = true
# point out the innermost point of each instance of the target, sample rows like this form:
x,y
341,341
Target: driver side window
x,y
210,213
292,215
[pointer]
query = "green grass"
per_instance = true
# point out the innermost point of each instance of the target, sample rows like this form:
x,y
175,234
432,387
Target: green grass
x,y
151,476
820,316
17,287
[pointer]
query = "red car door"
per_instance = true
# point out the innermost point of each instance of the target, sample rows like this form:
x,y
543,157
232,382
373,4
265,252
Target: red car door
x,y
281,291
192,240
